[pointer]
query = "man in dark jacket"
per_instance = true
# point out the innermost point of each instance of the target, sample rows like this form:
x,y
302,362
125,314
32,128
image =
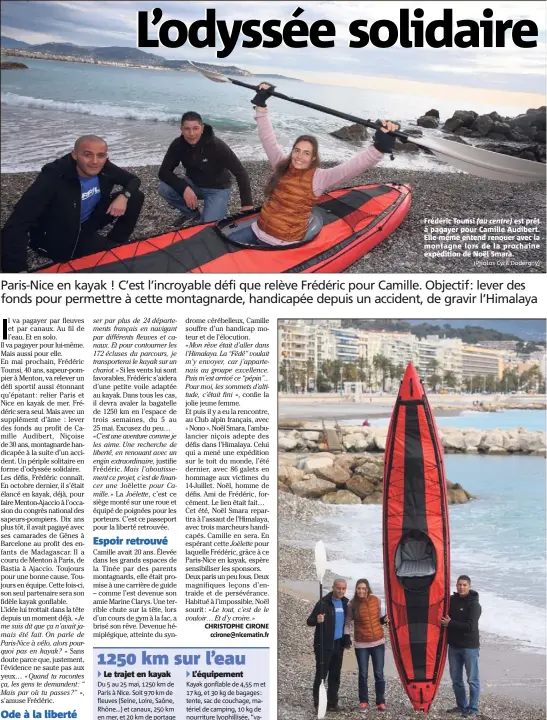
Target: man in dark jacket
x,y
208,162
328,617
463,646
67,203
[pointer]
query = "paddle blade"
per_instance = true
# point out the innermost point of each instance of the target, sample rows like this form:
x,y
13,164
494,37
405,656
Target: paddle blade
x,y
320,561
322,705
214,76
484,163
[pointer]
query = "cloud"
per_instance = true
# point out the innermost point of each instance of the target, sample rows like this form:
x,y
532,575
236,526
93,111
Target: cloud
x,y
86,22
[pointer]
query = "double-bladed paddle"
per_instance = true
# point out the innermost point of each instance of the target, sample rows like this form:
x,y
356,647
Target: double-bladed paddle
x,y
484,163
321,567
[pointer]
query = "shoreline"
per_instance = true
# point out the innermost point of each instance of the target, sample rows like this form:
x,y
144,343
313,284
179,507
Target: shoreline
x,y
512,679
451,195
307,408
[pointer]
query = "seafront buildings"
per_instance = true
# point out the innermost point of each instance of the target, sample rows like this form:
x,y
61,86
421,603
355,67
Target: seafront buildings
x,y
306,345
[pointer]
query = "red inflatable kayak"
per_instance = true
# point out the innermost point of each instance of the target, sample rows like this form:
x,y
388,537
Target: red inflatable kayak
x,y
352,221
416,543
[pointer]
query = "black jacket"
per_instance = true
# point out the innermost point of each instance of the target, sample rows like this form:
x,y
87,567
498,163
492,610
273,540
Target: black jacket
x,y
52,204
463,628
208,164
326,607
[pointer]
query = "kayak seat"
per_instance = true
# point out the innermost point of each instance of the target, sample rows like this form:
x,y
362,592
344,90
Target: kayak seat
x,y
415,557
229,226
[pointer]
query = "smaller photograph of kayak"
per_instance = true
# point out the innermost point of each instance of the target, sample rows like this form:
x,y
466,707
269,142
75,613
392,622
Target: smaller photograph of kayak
x,y
345,225
411,501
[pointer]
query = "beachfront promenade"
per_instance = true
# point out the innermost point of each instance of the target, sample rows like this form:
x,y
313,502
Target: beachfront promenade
x,y
331,406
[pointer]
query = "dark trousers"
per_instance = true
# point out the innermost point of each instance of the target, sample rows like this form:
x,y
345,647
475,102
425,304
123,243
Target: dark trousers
x,y
328,668
376,654
90,241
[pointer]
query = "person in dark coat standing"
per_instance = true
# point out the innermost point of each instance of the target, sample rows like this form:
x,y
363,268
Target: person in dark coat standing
x,y
208,162
463,646
329,617
70,200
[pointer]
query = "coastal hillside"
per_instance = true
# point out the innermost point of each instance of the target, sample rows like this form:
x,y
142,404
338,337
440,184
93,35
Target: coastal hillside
x,y
110,54
7,42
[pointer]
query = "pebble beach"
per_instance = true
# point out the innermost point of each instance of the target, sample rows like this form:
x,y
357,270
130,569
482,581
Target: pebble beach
x,y
512,681
436,195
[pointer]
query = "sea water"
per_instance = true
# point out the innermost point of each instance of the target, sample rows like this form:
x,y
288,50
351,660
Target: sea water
x,y
497,539
45,108
505,420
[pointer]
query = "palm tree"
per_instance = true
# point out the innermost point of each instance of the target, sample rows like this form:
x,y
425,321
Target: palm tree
x,y
509,380
310,373
284,369
434,378
434,381
382,365
361,365
350,372
449,379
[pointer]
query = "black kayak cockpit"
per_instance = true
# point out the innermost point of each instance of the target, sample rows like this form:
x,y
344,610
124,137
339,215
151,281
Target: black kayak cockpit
x,y
415,560
228,227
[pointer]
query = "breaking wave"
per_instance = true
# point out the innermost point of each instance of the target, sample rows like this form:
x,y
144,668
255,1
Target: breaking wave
x,y
101,110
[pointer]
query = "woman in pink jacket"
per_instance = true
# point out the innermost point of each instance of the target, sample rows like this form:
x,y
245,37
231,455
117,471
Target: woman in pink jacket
x,y
297,181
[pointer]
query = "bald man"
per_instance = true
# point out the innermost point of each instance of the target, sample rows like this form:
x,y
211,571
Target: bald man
x,y
70,200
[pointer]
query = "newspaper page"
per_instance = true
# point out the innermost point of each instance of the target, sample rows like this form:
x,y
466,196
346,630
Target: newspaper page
x,y
224,487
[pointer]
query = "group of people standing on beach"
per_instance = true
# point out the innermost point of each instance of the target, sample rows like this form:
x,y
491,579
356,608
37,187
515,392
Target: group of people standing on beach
x,y
73,198
336,619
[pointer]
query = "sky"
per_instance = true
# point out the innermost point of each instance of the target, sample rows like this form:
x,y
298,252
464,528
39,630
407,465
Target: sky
x,y
489,73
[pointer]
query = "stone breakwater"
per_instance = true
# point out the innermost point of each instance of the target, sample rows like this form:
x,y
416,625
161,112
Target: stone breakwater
x,y
454,440
344,479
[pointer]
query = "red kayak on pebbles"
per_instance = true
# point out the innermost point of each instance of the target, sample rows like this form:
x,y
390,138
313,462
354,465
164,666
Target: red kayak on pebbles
x,y
416,543
346,224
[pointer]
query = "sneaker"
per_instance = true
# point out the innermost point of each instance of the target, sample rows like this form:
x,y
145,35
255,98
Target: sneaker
x,y
363,706
455,711
381,707
334,708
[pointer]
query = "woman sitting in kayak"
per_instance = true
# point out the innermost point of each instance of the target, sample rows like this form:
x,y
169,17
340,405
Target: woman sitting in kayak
x,y
297,181
368,641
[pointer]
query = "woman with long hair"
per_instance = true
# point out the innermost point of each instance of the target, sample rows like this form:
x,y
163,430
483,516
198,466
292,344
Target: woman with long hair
x,y
368,640
298,181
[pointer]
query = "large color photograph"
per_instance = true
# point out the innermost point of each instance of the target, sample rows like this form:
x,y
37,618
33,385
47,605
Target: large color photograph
x,y
375,151
411,545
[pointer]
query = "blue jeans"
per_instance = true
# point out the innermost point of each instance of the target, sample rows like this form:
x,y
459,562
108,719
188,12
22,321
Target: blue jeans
x,y
215,201
377,656
246,236
458,658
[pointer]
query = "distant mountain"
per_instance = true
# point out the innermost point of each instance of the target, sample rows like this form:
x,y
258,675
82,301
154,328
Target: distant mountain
x,y
114,54
278,77
118,54
7,42
123,54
